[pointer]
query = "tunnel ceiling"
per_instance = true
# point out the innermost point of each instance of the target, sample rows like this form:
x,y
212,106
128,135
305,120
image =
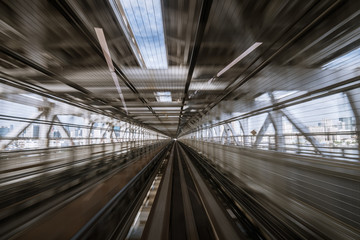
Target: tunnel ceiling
x,y
51,47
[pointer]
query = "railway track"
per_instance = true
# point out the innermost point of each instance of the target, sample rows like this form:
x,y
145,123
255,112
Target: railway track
x,y
185,206
196,201
193,201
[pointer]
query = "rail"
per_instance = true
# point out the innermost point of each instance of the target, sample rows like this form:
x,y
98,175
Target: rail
x,y
185,207
115,218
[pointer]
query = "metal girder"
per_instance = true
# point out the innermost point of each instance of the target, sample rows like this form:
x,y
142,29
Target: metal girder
x,y
262,130
336,26
244,125
316,25
237,82
223,136
233,134
49,130
64,131
18,130
210,133
89,133
77,23
276,118
254,109
188,32
44,129
175,59
105,131
354,101
21,99
217,130
205,9
303,130
42,69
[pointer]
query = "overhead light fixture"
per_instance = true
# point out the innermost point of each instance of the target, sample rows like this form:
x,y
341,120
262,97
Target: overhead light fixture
x,y
244,54
163,96
166,108
101,38
145,21
211,80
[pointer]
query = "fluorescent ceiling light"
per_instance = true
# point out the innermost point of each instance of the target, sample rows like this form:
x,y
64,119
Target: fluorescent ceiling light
x,y
163,96
146,23
277,95
282,94
101,38
166,108
244,54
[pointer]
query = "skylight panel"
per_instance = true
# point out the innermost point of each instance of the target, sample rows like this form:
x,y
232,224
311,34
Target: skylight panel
x,y
163,96
350,60
146,23
263,97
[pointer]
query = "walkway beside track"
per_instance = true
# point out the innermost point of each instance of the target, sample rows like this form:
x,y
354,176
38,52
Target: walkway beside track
x,y
64,222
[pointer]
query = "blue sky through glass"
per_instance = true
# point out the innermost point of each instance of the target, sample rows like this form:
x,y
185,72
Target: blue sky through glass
x,y
350,60
163,96
145,20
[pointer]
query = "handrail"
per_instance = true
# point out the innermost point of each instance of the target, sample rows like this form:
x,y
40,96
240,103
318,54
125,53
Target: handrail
x,y
70,147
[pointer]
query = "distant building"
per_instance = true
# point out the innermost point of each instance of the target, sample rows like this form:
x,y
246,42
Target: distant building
x,y
347,123
4,131
36,131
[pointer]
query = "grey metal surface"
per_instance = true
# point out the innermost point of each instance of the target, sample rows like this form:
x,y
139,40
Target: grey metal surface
x,y
223,227
157,227
320,192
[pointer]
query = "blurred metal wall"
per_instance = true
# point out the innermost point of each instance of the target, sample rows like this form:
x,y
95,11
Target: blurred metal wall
x,y
313,191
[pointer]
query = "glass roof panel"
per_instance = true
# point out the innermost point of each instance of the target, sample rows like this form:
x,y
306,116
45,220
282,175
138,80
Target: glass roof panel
x,y
146,23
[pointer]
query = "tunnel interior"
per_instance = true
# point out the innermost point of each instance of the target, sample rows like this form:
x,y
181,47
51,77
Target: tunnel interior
x,y
179,119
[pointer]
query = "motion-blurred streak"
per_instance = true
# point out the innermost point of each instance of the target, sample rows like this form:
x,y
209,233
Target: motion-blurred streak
x,y
101,37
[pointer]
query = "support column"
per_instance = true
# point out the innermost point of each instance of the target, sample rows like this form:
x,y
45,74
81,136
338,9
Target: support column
x,y
244,124
44,128
303,130
354,100
276,117
261,133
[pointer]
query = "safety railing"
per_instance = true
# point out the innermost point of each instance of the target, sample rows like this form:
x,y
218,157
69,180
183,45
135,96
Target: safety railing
x,y
319,191
15,165
28,177
346,148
